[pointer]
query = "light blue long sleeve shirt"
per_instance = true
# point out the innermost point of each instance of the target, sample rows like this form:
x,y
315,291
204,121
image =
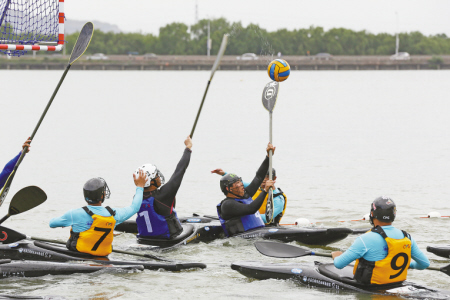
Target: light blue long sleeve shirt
x,y
373,247
81,221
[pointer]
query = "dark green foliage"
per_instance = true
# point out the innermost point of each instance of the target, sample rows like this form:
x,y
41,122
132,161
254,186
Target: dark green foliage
x,y
180,39
435,62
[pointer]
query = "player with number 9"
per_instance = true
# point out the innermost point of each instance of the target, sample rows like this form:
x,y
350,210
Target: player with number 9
x,y
383,254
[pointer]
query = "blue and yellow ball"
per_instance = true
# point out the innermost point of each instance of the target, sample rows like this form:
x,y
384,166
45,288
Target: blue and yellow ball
x,y
279,70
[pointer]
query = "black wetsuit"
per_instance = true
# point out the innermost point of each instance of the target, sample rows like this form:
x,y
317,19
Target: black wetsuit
x,y
230,208
165,195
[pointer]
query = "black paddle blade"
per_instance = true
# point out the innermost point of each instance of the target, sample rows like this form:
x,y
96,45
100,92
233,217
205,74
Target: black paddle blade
x,y
8,236
6,187
270,95
280,250
26,199
82,43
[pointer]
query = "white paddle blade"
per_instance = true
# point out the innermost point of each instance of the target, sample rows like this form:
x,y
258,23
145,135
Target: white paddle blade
x,y
270,95
223,46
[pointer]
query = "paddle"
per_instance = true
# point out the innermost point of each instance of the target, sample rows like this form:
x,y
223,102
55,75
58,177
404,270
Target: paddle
x,y
80,47
281,250
269,99
223,46
25,199
8,236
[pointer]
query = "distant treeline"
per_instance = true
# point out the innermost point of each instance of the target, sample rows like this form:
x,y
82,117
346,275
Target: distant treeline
x,y
181,39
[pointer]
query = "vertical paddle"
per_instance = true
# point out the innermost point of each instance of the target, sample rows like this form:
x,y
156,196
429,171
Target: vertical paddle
x,y
223,46
281,250
25,199
269,99
80,47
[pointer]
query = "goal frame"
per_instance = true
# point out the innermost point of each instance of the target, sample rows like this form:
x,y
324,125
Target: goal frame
x,y
59,45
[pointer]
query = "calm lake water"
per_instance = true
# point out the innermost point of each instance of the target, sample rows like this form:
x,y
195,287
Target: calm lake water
x,y
342,138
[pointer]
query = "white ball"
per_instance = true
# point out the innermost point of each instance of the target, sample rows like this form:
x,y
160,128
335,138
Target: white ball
x,y
302,222
434,214
366,217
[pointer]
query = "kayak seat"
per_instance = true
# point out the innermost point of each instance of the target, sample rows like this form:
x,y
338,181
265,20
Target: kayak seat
x,y
64,250
188,229
345,275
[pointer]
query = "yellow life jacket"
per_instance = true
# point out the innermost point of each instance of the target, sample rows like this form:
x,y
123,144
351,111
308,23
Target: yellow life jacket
x,y
392,268
98,239
262,209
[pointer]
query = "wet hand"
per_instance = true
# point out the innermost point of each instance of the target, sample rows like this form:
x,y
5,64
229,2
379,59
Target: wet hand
x,y
218,171
188,142
270,147
141,179
27,144
335,254
269,184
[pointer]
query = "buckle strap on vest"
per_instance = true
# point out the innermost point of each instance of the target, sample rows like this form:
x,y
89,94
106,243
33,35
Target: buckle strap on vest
x,y
88,211
109,209
380,231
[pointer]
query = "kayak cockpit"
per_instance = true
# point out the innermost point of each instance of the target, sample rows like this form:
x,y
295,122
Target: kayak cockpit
x,y
188,230
65,251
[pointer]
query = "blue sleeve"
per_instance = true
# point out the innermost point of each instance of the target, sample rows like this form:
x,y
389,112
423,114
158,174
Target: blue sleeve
x,y
124,213
356,250
63,221
419,259
8,169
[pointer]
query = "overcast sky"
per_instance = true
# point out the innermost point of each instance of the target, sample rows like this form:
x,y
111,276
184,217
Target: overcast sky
x,y
147,16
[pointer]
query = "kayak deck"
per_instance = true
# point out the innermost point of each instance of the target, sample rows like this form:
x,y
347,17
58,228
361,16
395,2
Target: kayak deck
x,y
327,276
442,251
207,232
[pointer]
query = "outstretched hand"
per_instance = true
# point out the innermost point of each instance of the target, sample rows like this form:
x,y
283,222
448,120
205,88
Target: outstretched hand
x,y
270,147
218,171
141,179
27,144
188,142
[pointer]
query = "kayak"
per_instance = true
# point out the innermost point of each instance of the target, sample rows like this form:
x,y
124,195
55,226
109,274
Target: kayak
x,y
443,251
328,276
10,268
38,251
204,231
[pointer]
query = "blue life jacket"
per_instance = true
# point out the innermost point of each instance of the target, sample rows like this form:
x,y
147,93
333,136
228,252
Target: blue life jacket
x,y
240,224
152,224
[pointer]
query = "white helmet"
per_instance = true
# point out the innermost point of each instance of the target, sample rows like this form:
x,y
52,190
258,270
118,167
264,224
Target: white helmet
x,y
152,172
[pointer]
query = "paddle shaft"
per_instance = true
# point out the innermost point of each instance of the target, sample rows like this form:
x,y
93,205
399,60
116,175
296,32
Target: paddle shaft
x,y
200,109
269,205
117,251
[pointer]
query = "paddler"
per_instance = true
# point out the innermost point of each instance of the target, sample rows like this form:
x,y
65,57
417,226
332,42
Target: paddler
x,y
157,217
238,212
9,167
279,197
93,225
384,254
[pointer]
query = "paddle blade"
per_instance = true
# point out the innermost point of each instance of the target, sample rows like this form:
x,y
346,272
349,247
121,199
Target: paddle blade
x,y
26,199
6,187
270,95
223,46
8,236
269,207
82,43
280,250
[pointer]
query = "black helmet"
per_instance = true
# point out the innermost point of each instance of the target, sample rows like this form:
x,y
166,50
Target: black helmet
x,y
383,209
94,190
274,173
227,181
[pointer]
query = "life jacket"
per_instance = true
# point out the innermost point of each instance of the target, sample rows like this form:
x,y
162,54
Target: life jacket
x,y
262,209
97,240
240,224
392,268
152,224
